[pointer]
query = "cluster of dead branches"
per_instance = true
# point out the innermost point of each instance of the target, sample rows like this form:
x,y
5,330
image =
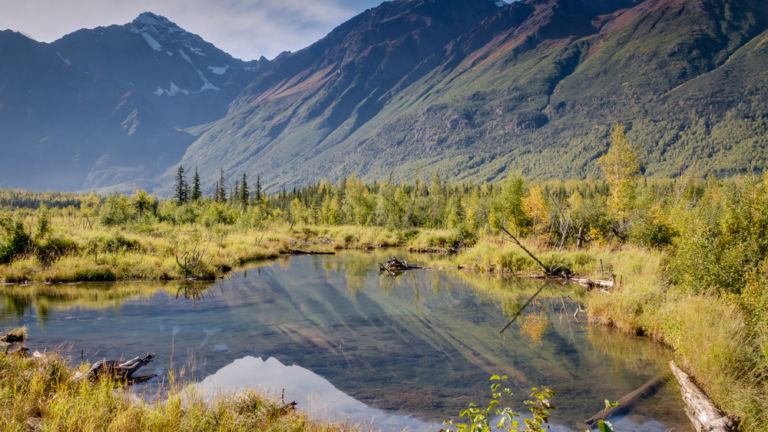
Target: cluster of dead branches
x,y
193,264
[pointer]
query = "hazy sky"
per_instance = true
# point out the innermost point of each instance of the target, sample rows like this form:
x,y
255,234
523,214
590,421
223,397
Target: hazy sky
x,y
247,29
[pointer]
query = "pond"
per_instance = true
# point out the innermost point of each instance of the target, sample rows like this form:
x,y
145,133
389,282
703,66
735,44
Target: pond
x,y
349,344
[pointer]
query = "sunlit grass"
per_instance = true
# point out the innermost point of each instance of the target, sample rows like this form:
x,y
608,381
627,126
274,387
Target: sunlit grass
x,y
41,394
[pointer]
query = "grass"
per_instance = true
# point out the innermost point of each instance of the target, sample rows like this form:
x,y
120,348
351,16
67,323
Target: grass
x,y
707,332
159,250
41,394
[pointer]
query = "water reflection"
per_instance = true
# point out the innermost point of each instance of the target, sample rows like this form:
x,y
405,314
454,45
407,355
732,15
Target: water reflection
x,y
418,346
321,399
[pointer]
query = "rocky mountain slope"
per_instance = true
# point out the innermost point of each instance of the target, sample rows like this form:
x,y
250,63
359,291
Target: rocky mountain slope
x,y
107,106
532,86
474,89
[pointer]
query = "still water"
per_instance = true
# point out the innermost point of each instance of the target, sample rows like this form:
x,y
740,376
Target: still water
x,y
354,346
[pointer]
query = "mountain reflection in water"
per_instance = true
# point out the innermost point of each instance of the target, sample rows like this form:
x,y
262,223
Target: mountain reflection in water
x,y
313,393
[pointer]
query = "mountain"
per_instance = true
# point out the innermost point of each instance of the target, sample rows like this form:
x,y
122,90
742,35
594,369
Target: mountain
x,y
186,79
476,89
65,129
107,106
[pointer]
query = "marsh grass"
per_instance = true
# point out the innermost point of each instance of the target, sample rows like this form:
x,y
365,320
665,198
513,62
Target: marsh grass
x,y
707,332
154,250
41,394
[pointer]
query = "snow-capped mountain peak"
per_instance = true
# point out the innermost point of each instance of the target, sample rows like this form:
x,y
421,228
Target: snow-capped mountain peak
x,y
157,24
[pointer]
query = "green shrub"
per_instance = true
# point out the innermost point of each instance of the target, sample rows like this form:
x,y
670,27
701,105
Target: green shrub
x,y
17,242
513,261
114,243
116,210
52,248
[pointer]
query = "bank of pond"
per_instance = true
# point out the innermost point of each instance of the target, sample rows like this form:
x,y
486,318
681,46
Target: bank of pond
x,y
353,345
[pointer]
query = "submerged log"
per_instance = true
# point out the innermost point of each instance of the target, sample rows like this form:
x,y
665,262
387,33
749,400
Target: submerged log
x,y
306,252
700,410
630,400
119,371
394,266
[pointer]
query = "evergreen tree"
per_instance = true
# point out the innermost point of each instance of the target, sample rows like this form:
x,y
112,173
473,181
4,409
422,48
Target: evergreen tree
x,y
234,193
221,191
181,194
244,192
258,189
196,194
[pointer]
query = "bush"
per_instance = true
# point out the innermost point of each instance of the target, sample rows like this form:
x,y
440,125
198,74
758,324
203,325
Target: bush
x,y
116,210
52,248
723,239
652,230
513,261
17,242
114,243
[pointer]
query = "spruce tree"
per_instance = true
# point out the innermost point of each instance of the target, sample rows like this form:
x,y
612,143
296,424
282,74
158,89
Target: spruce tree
x,y
258,189
181,194
221,193
196,194
234,193
244,192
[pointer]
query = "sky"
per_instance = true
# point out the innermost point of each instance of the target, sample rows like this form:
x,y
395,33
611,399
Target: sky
x,y
246,29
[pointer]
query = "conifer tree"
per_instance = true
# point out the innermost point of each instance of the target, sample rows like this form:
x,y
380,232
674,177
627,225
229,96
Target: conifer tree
x,y
234,193
221,192
181,194
257,192
196,194
244,192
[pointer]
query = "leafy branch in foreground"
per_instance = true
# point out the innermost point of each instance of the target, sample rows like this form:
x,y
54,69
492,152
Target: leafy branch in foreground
x,y
483,420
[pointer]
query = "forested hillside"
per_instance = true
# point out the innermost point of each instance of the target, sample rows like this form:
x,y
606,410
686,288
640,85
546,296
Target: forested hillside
x,y
531,87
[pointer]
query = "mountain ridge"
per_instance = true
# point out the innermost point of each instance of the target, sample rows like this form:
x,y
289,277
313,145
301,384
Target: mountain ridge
x,y
473,89
533,71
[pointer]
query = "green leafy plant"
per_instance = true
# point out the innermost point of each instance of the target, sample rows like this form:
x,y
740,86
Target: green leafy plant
x,y
493,417
602,424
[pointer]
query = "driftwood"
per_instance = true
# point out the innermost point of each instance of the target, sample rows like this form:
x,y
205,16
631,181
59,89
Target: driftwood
x,y
630,400
15,348
119,371
12,337
700,410
306,252
394,267
593,283
12,343
191,262
548,271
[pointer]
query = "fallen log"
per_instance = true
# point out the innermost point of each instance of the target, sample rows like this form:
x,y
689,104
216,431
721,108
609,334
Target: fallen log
x,y
15,348
630,400
19,335
394,266
307,252
589,283
703,414
118,371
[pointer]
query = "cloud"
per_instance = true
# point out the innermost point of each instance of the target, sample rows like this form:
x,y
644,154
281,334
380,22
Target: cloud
x,y
245,28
